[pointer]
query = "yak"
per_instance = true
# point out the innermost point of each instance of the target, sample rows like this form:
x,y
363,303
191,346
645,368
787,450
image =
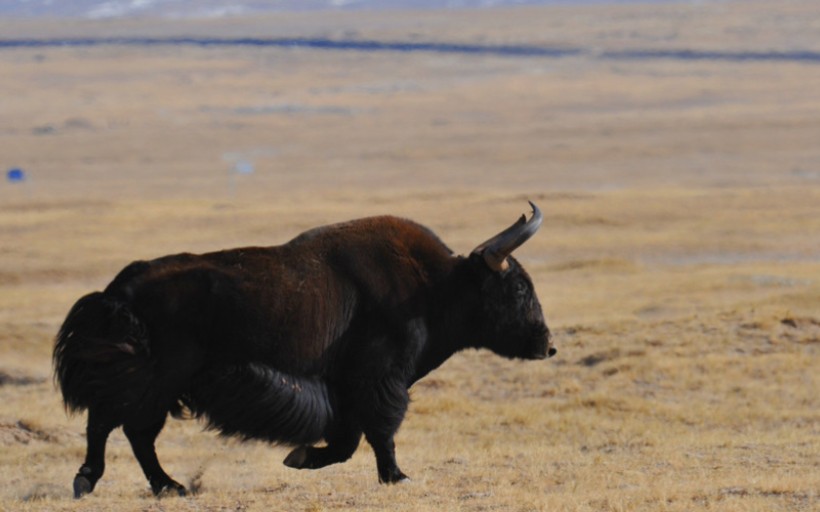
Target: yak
x,y
314,340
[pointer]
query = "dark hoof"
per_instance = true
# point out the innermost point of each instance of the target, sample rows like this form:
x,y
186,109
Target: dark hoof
x,y
170,490
82,486
394,478
297,458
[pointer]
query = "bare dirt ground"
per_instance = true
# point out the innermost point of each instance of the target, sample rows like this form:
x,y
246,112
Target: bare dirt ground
x,y
679,262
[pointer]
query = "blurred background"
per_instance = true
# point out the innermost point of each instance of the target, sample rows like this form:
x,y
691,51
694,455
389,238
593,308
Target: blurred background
x,y
123,98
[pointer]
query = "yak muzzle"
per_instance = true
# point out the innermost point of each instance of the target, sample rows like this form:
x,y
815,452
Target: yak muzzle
x,y
551,350
546,349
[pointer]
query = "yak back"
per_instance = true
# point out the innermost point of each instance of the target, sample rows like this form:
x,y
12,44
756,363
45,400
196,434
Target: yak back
x,y
292,306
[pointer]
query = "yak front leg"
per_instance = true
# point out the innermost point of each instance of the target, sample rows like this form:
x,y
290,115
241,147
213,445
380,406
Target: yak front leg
x,y
342,441
385,449
310,457
381,419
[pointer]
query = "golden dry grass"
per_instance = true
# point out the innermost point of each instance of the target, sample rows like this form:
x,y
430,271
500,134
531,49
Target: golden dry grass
x,y
679,264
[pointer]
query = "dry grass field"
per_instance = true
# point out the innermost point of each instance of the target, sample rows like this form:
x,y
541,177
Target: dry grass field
x,y
678,264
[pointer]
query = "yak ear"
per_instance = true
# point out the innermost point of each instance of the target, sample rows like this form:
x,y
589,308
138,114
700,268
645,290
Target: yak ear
x,y
496,249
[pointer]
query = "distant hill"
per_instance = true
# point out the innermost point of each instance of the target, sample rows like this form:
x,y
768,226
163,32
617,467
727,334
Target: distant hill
x,y
213,8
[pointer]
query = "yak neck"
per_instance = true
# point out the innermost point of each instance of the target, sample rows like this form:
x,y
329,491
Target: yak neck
x,y
452,317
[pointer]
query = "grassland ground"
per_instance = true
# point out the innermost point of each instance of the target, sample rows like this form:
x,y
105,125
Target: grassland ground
x,y
677,385
678,264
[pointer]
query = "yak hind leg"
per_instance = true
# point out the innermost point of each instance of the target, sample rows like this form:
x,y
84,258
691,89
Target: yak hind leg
x,y
142,443
340,447
98,428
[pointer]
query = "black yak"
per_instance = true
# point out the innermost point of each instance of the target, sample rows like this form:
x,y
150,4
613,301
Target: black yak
x,y
316,339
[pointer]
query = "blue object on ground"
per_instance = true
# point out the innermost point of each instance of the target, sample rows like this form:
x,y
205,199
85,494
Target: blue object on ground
x,y
16,175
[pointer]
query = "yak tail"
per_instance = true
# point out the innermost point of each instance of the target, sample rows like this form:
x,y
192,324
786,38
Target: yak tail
x,y
101,355
256,401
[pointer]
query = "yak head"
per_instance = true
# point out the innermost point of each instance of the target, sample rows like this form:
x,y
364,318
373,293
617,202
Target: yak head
x,y
509,320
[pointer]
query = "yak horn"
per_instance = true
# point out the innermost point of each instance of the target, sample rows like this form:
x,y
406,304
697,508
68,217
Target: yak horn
x,y
496,249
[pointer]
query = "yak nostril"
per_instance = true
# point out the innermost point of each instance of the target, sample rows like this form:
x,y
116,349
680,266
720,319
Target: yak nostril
x,y
552,351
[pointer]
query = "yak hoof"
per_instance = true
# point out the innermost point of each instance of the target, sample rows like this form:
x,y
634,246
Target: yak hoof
x,y
82,486
396,477
297,458
171,490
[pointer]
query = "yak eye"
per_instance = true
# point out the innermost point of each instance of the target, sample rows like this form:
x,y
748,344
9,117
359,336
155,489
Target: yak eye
x,y
520,288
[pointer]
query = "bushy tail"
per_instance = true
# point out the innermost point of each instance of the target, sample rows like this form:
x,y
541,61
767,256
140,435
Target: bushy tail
x,y
256,401
101,355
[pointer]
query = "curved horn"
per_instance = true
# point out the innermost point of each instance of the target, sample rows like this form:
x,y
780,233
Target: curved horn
x,y
496,249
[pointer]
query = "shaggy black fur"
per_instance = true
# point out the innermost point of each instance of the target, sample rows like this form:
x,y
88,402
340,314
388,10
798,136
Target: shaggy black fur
x,y
254,401
102,356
